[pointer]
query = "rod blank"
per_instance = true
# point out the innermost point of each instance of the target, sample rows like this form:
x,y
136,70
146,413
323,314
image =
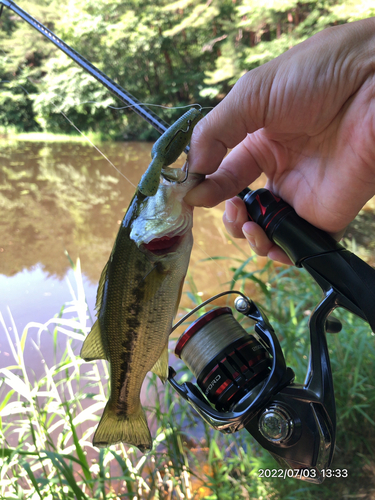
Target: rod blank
x,y
159,124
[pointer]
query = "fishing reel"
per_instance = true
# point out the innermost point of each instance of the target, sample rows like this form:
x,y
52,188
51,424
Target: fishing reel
x,y
243,382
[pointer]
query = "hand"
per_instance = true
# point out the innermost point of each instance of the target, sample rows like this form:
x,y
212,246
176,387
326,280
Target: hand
x,y
306,119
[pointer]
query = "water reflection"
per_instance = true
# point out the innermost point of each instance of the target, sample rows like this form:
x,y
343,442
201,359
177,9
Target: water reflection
x,y
57,197
64,196
33,295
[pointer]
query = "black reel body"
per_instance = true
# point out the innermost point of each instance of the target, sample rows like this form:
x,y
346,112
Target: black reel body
x,y
244,383
243,379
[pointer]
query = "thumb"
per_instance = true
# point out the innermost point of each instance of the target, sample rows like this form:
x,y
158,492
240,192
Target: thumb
x,y
240,113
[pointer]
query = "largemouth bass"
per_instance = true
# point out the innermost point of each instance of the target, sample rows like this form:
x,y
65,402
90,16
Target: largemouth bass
x,y
138,296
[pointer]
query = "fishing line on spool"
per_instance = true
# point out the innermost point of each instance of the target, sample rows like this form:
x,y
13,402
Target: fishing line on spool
x,y
226,360
209,340
215,336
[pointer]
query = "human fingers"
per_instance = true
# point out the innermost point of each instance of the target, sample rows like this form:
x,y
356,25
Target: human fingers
x,y
239,113
235,216
261,245
236,171
237,224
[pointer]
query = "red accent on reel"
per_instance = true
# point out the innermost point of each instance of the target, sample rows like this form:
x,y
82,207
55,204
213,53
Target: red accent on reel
x,y
223,386
277,213
262,208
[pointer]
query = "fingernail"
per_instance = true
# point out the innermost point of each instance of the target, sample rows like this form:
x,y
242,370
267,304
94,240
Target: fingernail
x,y
249,238
231,211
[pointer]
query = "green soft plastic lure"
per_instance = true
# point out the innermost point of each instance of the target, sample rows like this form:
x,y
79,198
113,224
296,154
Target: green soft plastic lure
x,y
167,149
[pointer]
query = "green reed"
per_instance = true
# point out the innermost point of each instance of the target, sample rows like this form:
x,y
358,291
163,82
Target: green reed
x,y
47,424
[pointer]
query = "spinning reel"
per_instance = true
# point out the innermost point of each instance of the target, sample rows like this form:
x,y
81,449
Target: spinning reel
x,y
242,378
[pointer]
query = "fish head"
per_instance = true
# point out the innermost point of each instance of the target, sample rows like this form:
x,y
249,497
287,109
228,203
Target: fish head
x,y
163,222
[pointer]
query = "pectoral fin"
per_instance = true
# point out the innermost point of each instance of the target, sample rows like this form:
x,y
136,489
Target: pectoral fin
x,y
92,347
160,368
153,281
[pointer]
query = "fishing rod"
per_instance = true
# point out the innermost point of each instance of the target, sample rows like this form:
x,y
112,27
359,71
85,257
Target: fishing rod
x,y
122,94
242,380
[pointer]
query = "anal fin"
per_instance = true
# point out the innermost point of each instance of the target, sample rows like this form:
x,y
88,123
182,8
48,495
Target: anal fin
x,y
160,368
92,347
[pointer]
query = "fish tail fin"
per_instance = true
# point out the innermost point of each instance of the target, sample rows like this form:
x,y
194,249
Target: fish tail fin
x,y
131,429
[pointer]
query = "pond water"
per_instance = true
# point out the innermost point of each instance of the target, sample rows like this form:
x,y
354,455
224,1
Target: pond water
x,y
63,197
58,197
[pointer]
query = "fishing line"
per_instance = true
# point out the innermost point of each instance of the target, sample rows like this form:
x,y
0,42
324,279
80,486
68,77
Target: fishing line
x,y
109,106
214,261
20,86
143,104
104,156
155,105
92,144
97,149
78,130
150,105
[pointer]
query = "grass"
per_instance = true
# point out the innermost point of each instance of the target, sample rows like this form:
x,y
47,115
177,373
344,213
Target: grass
x,y
47,422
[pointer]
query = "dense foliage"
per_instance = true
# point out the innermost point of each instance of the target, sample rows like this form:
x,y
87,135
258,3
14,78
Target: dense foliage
x,y
166,52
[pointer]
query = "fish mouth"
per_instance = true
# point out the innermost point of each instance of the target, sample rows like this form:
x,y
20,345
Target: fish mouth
x,y
161,245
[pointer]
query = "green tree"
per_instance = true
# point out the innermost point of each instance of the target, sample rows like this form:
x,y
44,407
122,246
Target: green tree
x,y
22,54
171,53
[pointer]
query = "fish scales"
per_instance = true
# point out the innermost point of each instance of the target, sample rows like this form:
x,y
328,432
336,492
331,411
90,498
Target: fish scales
x,y
133,337
140,288
138,296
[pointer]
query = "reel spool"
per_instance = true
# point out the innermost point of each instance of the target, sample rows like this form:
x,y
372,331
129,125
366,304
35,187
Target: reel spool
x,y
243,382
226,361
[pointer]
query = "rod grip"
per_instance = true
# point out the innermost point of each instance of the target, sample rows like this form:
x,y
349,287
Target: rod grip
x,y
297,237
